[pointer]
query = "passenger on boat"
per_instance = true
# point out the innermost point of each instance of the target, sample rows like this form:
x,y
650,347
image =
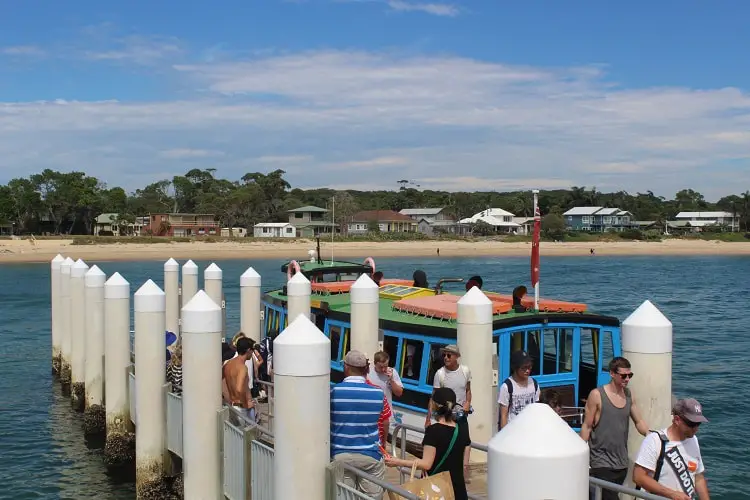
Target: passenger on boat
x,y
471,284
552,399
609,409
420,279
377,276
385,377
238,375
440,452
517,391
477,280
678,446
519,293
174,369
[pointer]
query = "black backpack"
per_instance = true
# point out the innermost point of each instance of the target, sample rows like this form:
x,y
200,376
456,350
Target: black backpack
x,y
509,386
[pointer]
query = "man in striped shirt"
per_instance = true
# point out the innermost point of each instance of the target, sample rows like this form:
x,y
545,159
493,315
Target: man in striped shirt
x,y
356,409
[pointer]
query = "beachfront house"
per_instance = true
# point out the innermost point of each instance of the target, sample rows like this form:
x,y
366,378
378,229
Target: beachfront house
x,y
274,230
526,225
182,225
310,221
236,232
108,224
431,220
599,219
501,221
699,220
384,221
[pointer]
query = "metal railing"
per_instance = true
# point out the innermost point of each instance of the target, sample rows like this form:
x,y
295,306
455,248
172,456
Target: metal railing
x,y
341,491
597,485
247,460
174,422
131,394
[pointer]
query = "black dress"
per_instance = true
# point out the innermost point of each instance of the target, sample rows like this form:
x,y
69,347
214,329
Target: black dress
x,y
439,436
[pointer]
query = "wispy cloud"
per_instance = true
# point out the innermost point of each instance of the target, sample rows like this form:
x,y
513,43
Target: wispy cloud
x,y
184,154
436,9
22,50
137,49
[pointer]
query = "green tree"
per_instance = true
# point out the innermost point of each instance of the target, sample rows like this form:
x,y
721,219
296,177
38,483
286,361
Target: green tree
x,y
553,226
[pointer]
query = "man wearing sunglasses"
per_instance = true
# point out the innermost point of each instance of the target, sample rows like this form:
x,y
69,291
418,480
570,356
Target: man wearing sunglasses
x,y
669,462
609,409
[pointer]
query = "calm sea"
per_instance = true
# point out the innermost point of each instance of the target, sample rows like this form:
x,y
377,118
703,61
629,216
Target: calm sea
x,y
42,450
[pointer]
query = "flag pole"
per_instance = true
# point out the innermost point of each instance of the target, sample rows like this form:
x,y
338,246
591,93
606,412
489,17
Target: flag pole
x,y
537,221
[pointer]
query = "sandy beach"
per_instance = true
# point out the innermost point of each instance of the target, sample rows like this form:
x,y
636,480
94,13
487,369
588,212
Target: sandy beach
x,y
17,251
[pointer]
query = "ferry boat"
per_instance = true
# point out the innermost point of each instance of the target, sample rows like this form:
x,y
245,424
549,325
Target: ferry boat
x,y
570,345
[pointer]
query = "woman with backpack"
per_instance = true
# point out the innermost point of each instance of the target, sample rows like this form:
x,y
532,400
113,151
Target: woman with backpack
x,y
443,444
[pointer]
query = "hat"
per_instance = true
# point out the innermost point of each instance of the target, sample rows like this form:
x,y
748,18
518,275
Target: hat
x,y
518,359
356,359
452,348
689,409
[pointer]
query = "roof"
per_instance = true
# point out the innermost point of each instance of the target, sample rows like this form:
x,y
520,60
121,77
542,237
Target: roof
x,y
523,220
107,218
608,211
489,219
380,216
421,211
273,224
308,208
699,215
583,211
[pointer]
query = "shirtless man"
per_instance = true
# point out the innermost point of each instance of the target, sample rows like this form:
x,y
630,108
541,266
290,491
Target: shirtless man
x,y
609,409
237,379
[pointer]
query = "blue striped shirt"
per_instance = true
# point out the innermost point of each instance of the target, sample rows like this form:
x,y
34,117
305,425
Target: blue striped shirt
x,y
355,409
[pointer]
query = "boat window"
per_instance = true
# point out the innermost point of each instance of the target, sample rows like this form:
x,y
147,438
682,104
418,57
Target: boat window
x,y
411,360
348,277
589,347
347,342
334,333
565,338
435,362
549,341
390,345
529,341
272,320
607,350
558,350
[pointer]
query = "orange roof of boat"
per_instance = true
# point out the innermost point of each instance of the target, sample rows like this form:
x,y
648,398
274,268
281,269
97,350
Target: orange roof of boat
x,y
545,305
444,306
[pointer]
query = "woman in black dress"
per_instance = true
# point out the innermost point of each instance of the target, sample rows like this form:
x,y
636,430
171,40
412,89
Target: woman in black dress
x,y
443,444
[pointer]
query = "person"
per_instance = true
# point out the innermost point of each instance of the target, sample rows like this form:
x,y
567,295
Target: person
x,y
669,462
471,284
377,276
440,452
385,377
478,280
237,378
519,293
456,377
517,391
174,369
266,354
609,409
356,409
420,279
385,415
552,399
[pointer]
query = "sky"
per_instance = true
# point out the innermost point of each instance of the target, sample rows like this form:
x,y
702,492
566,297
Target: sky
x,y
359,94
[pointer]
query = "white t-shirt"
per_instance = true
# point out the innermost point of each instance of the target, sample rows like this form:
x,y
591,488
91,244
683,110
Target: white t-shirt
x,y
648,454
456,380
522,396
381,380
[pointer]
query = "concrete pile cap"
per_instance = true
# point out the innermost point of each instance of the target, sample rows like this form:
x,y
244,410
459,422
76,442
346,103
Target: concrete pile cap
x,y
95,277
78,269
647,331
150,298
189,267
250,278
364,291
474,308
537,432
171,265
57,261
647,315
301,350
66,265
116,287
201,315
298,285
213,272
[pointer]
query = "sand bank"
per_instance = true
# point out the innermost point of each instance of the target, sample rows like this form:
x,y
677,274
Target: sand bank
x,y
44,250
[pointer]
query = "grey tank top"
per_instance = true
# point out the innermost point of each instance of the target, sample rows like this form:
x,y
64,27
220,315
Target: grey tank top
x,y
608,443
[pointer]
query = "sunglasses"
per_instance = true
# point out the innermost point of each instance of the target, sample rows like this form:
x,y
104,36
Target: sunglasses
x,y
447,355
625,376
690,424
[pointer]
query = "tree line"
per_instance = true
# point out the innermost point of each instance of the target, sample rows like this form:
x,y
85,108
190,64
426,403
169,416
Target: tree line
x,y
69,202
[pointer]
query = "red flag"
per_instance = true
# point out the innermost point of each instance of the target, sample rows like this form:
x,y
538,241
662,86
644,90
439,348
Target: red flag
x,y
535,248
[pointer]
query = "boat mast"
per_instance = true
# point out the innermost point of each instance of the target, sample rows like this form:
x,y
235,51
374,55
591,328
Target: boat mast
x,y
537,222
333,227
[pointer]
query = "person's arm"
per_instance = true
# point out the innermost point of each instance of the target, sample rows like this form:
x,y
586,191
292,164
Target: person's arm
x,y
503,400
244,388
635,415
397,387
590,412
701,486
642,478
424,463
467,404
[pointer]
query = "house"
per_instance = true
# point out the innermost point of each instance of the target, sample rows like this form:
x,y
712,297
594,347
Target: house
x,y
526,225
599,219
274,230
431,220
500,220
237,232
310,221
387,221
107,225
6,229
182,225
702,219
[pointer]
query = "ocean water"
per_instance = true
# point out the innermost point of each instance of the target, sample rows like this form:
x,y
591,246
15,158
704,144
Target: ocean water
x,y
42,449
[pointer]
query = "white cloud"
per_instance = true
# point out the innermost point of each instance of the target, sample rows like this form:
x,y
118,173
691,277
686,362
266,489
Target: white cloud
x,y
344,118
137,49
436,9
22,50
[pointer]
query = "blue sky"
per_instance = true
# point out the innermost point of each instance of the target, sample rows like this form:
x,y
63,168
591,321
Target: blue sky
x,y
361,93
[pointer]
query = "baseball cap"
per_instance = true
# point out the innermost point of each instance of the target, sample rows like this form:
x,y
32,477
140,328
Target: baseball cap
x,y
356,359
689,409
452,348
518,359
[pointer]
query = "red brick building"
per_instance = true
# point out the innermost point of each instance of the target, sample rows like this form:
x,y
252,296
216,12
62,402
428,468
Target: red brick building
x,y
182,225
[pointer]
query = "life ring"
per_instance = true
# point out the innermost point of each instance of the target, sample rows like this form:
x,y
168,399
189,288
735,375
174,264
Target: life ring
x,y
370,261
289,269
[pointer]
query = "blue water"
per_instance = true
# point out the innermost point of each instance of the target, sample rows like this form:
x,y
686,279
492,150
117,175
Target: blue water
x,y
42,450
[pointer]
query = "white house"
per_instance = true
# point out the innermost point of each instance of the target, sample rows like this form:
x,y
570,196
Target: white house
x,y
701,219
431,220
274,230
237,232
500,219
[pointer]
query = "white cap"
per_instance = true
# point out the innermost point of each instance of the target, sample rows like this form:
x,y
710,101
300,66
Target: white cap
x,y
201,315
150,298
116,287
250,278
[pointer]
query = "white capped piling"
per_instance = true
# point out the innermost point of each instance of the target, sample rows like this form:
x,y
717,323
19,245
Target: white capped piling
x,y
94,417
474,337
250,304
119,447
302,424
66,342
150,377
189,281
213,285
172,292
78,334
298,291
55,310
537,439
647,344
201,397
365,299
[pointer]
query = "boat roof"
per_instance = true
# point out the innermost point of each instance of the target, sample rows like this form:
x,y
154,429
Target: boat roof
x,y
310,268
